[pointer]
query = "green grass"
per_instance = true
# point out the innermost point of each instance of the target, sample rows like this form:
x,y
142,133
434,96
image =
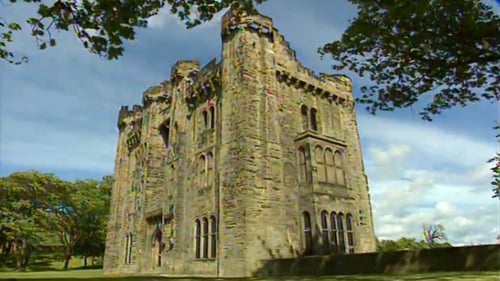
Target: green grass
x,y
97,275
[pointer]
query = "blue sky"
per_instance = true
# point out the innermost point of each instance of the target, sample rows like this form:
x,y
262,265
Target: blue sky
x,y
58,114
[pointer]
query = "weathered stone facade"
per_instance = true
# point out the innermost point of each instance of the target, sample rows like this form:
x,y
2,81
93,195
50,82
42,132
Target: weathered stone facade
x,y
244,160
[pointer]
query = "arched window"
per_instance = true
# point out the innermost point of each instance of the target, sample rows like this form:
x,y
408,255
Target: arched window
x,y
320,163
333,232
329,166
213,237
340,228
210,168
205,119
304,115
324,228
350,236
314,122
212,117
205,238
307,233
127,238
302,164
339,168
202,181
197,238
165,132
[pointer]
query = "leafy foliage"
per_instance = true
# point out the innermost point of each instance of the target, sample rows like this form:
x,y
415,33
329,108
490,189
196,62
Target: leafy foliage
x,y
411,48
496,168
35,207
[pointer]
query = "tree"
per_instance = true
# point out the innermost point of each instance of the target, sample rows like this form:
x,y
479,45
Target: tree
x,y
432,233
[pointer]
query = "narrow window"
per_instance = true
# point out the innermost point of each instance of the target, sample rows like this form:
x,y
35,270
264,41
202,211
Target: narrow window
x,y
210,168
314,124
302,164
197,241
324,228
307,233
127,237
305,119
212,117
213,237
329,166
320,163
165,132
340,177
205,238
350,236
340,227
333,232
130,240
205,119
202,181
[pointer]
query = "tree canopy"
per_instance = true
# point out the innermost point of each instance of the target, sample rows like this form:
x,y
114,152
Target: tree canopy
x,y
440,53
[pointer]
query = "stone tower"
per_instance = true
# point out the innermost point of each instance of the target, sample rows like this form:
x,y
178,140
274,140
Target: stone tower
x,y
241,161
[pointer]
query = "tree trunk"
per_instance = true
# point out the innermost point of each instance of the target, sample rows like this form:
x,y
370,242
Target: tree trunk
x,y
67,258
85,261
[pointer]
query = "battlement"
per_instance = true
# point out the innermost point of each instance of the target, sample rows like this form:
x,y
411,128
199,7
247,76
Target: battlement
x,y
135,113
158,93
182,69
237,19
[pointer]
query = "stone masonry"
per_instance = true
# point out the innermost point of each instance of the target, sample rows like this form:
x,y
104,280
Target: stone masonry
x,y
244,160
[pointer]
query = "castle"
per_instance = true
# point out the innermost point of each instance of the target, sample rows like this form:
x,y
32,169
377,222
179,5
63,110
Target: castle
x,y
244,160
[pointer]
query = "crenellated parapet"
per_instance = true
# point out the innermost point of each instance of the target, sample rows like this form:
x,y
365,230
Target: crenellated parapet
x,y
182,69
203,83
160,93
236,20
334,87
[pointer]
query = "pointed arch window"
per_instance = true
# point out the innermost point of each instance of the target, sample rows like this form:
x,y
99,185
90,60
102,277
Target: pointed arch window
x,y
197,238
307,233
320,163
350,236
333,232
205,119
339,168
128,248
302,164
304,112
165,132
205,238
202,181
329,166
314,122
210,168
340,229
324,229
212,117
213,237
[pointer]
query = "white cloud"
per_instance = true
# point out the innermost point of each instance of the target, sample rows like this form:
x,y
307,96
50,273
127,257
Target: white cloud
x,y
420,173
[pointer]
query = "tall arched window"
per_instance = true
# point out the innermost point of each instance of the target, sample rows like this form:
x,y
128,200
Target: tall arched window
x,y
205,238
304,115
339,168
210,168
202,180
128,248
213,237
307,233
212,117
197,238
127,238
324,229
302,164
340,229
330,166
165,132
333,232
205,119
320,163
350,236
314,122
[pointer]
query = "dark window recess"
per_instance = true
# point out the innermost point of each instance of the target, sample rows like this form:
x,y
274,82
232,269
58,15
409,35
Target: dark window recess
x,y
307,234
314,124
165,132
212,117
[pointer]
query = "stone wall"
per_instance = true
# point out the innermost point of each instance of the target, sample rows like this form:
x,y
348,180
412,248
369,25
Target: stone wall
x,y
469,258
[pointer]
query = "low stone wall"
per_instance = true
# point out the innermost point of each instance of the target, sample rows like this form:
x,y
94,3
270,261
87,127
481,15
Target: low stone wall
x,y
470,258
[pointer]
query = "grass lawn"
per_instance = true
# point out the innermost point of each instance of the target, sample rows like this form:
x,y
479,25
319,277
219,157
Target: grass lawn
x,y
97,275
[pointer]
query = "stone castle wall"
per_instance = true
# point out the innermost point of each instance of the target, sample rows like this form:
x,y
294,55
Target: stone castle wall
x,y
224,142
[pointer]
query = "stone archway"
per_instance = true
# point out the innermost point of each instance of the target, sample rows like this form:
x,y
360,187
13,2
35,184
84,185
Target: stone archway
x,y
156,247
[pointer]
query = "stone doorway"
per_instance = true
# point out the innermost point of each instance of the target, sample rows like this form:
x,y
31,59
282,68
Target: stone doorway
x,y
157,247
